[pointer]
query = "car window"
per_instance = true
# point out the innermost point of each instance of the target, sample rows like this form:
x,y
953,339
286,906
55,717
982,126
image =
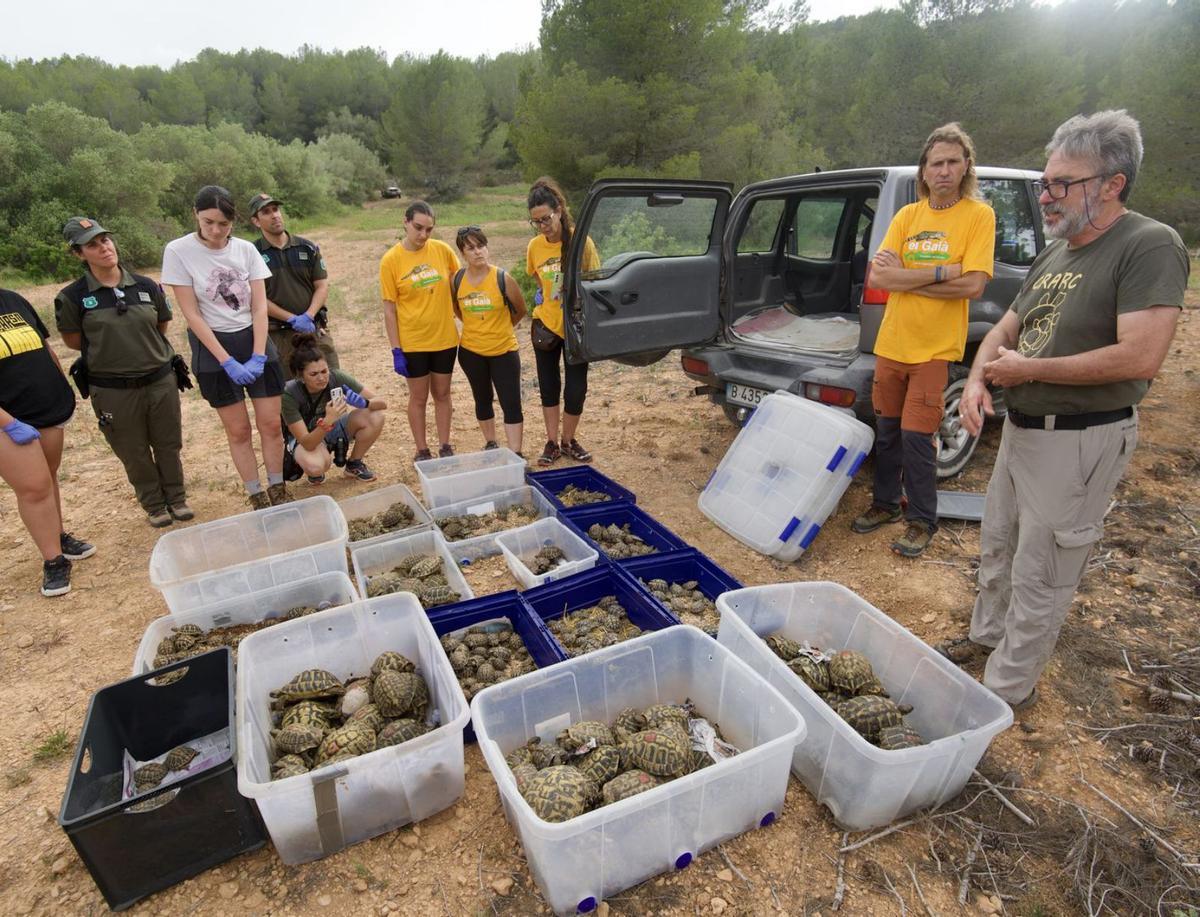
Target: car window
x,y
816,225
866,217
1016,235
761,226
641,225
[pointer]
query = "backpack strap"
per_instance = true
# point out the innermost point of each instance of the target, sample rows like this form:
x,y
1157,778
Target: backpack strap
x,y
455,283
503,290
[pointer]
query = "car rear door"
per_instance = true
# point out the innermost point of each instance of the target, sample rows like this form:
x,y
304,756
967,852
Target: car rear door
x,y
661,270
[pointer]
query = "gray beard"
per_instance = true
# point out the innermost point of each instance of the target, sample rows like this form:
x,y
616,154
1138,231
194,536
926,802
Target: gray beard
x,y
1070,224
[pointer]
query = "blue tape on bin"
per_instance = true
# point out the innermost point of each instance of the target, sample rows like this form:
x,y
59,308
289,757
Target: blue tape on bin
x,y
789,529
809,536
856,464
837,459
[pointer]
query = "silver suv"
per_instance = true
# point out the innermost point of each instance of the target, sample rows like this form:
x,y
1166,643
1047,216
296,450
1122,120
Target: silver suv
x,y
771,289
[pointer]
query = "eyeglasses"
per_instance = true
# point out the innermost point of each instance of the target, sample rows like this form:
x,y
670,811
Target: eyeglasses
x,y
122,308
542,222
467,230
1058,188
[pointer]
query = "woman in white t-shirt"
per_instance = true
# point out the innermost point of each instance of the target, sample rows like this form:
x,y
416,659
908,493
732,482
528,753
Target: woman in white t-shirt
x,y
218,283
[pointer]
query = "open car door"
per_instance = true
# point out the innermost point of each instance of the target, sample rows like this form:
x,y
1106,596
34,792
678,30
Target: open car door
x,y
658,285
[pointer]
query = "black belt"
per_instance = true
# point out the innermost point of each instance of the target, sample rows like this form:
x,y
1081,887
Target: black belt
x,y
126,382
1068,421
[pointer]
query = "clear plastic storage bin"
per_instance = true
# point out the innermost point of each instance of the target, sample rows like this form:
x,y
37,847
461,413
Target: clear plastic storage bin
x,y
332,588
518,544
501,500
865,786
237,555
585,477
577,863
321,812
376,501
381,557
785,473
472,474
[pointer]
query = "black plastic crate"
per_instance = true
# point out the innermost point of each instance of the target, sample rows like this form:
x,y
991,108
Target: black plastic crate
x,y
202,820
640,522
679,567
552,483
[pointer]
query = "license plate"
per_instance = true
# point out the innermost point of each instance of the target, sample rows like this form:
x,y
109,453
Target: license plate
x,y
743,394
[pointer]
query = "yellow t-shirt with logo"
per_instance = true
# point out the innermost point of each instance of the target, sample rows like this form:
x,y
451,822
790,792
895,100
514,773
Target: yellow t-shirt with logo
x,y
419,284
543,260
918,328
487,327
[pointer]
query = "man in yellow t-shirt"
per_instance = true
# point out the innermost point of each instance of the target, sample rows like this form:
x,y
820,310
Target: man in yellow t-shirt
x,y
936,256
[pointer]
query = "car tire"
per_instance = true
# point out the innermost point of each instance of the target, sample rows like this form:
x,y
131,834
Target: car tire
x,y
953,445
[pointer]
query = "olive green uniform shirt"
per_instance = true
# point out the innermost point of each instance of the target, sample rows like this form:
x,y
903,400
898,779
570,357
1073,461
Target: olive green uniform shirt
x,y
120,324
315,406
295,268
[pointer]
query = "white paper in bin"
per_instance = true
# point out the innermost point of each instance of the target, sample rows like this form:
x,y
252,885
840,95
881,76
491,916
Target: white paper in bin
x,y
382,556
319,813
362,506
863,785
472,474
517,544
612,848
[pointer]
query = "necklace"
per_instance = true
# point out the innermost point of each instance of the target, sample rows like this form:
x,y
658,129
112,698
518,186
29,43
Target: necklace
x,y
933,206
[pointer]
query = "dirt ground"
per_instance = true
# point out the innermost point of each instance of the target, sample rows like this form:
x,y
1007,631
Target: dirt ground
x,y
648,432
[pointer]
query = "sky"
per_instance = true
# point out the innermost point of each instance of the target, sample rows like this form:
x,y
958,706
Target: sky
x,y
165,31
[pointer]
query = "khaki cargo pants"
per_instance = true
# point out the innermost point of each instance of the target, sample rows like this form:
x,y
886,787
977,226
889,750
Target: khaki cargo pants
x,y
1045,510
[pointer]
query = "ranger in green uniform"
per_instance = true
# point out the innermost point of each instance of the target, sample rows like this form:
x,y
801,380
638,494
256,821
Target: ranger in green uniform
x,y
117,319
298,284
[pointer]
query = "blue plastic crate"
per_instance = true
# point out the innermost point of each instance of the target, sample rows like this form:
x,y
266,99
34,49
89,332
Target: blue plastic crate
x,y
641,523
529,627
552,483
585,589
679,567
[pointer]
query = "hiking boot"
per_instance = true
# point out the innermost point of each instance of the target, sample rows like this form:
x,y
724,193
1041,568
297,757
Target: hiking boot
x,y
181,511
550,454
573,450
445,451
278,495
423,455
56,576
73,548
490,444
915,539
159,519
875,516
259,500
357,468
963,650
1027,703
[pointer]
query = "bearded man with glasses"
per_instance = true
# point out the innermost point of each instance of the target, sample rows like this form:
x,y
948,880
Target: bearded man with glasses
x,y
1075,354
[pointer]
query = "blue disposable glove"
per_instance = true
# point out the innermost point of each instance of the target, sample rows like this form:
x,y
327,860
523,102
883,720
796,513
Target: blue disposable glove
x,y
303,324
237,372
537,297
20,432
399,363
353,398
255,365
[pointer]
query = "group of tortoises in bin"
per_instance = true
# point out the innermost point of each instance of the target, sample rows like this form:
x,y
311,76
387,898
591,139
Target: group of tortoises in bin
x,y
321,720
618,541
686,602
421,574
150,775
846,681
486,654
571,495
592,764
592,628
470,525
397,516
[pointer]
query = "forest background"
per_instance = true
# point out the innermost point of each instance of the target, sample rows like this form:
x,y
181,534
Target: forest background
x,y
721,89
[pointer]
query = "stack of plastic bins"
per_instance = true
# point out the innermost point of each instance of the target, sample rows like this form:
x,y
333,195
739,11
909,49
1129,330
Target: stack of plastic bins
x,y
583,590
473,474
577,863
865,786
641,523
503,608
328,589
585,477
785,473
381,557
315,814
237,555
519,544
376,501
501,500
138,846
681,567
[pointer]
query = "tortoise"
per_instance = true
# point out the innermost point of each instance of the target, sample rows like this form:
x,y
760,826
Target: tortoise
x,y
894,738
437,595
148,776
628,784
476,640
404,567
486,672
812,673
661,714
546,559
398,731
785,648
400,693
309,685
311,713
522,774
351,739
297,737
397,515
850,672
869,713
187,636
166,647
560,793
518,756
368,715
600,764
542,755
289,762
179,757
581,737
700,760
428,564
631,720
394,661
660,752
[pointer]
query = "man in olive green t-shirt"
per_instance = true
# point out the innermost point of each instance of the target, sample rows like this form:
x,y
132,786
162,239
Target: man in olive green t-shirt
x,y
1075,354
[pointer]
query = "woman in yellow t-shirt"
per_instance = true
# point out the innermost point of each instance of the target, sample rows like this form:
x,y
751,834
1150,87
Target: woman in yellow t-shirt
x,y
489,306
548,215
414,278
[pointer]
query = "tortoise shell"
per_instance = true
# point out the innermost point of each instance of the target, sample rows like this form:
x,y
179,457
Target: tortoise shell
x,y
660,752
630,720
560,793
661,714
294,763
894,738
581,737
785,648
437,595
812,673
426,565
628,784
310,684
404,567
850,672
351,739
542,755
400,694
187,636
309,713
393,661
179,757
297,737
148,776
396,515
869,714
601,764
519,756
368,715
398,731
522,774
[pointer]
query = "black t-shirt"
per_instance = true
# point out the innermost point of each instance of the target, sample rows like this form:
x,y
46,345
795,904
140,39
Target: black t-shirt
x,y
32,387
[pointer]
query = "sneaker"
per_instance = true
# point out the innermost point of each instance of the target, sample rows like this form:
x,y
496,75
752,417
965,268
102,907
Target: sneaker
x,y
963,650
259,500
1027,703
278,495
73,548
490,444
915,539
316,480
357,468
56,576
423,455
550,454
445,451
576,451
159,519
875,517
181,511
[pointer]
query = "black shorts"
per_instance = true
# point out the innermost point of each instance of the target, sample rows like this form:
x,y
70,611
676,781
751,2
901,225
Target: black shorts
x,y
220,391
423,362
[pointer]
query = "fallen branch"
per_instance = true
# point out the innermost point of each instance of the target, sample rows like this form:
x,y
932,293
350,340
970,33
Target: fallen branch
x,y
876,836
1187,697
964,885
1137,821
1008,804
737,872
920,894
892,889
839,889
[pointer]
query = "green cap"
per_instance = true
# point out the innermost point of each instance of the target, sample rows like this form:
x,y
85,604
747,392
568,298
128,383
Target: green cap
x,y
81,230
259,201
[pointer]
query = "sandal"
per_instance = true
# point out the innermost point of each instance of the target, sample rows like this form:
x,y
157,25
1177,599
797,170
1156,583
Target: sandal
x,y
573,450
550,454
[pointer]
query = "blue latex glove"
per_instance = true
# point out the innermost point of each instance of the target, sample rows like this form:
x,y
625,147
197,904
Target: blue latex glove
x,y
399,363
353,398
303,324
20,432
537,297
237,372
255,365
